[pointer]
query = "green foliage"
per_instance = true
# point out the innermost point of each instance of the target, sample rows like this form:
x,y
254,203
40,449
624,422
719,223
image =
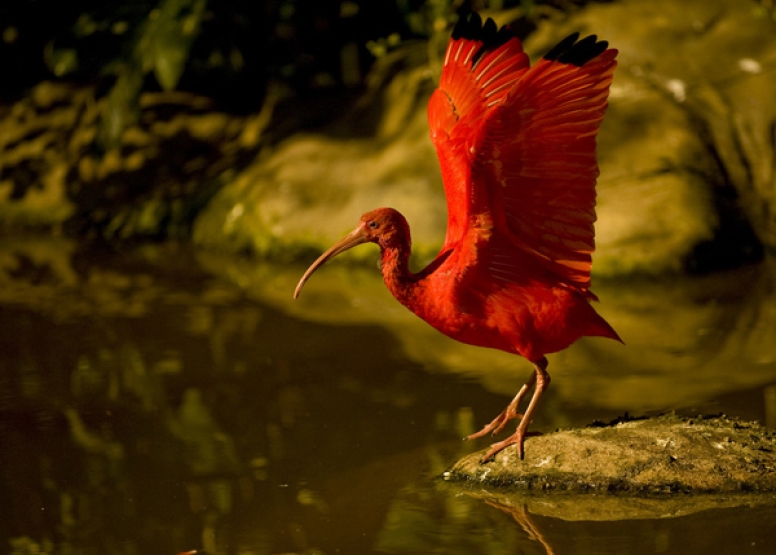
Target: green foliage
x,y
162,46
766,8
121,109
167,37
425,18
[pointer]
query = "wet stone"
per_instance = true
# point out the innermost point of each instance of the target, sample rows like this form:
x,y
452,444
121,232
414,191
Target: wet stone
x,y
655,456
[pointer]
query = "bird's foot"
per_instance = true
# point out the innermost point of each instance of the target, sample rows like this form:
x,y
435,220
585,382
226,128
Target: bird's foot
x,y
518,438
497,424
539,381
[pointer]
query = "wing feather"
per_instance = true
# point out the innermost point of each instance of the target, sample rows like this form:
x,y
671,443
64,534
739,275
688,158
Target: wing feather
x,y
480,66
517,149
543,138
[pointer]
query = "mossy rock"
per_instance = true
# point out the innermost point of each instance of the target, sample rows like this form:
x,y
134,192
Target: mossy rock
x,y
666,454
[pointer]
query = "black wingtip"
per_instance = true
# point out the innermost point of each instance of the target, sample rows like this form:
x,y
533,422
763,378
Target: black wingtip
x,y
569,51
487,32
467,27
472,27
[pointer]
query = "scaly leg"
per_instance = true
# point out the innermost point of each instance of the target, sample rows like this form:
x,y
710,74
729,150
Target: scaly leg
x,y
540,380
508,413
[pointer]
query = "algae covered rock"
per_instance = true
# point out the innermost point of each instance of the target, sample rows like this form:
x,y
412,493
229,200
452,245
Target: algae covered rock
x,y
653,455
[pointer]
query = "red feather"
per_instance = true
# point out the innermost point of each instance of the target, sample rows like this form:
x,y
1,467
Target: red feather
x,y
518,143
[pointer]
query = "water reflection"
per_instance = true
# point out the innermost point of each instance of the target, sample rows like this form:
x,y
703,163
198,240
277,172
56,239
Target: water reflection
x,y
158,400
688,340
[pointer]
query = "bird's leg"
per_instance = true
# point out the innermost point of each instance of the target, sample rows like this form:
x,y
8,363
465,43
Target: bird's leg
x,y
508,413
542,379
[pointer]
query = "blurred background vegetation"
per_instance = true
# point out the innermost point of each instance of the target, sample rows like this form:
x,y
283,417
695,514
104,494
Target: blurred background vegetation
x,y
125,119
235,52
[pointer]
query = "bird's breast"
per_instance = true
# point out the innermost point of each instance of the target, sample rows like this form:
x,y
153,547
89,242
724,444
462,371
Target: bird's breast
x,y
447,304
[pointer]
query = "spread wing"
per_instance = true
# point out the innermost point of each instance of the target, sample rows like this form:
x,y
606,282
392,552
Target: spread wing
x,y
524,157
538,158
481,64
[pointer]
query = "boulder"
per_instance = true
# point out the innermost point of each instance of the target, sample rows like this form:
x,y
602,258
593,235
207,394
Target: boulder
x,y
661,455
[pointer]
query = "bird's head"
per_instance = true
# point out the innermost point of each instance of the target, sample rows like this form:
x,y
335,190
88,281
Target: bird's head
x,y
384,226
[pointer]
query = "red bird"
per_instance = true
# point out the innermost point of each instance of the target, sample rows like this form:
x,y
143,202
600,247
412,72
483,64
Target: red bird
x,y
516,145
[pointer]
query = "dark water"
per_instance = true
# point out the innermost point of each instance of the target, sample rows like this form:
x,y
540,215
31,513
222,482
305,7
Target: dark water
x,y
160,401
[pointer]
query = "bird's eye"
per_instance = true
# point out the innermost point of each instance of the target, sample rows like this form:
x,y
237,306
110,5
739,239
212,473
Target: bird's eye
x,y
373,225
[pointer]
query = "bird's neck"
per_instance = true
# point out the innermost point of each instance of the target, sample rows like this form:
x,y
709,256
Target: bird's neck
x,y
395,266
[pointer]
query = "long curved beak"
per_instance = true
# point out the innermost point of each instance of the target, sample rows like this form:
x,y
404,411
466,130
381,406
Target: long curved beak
x,y
352,239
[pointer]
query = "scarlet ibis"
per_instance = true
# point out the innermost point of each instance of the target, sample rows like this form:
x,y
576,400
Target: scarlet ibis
x,y
517,149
